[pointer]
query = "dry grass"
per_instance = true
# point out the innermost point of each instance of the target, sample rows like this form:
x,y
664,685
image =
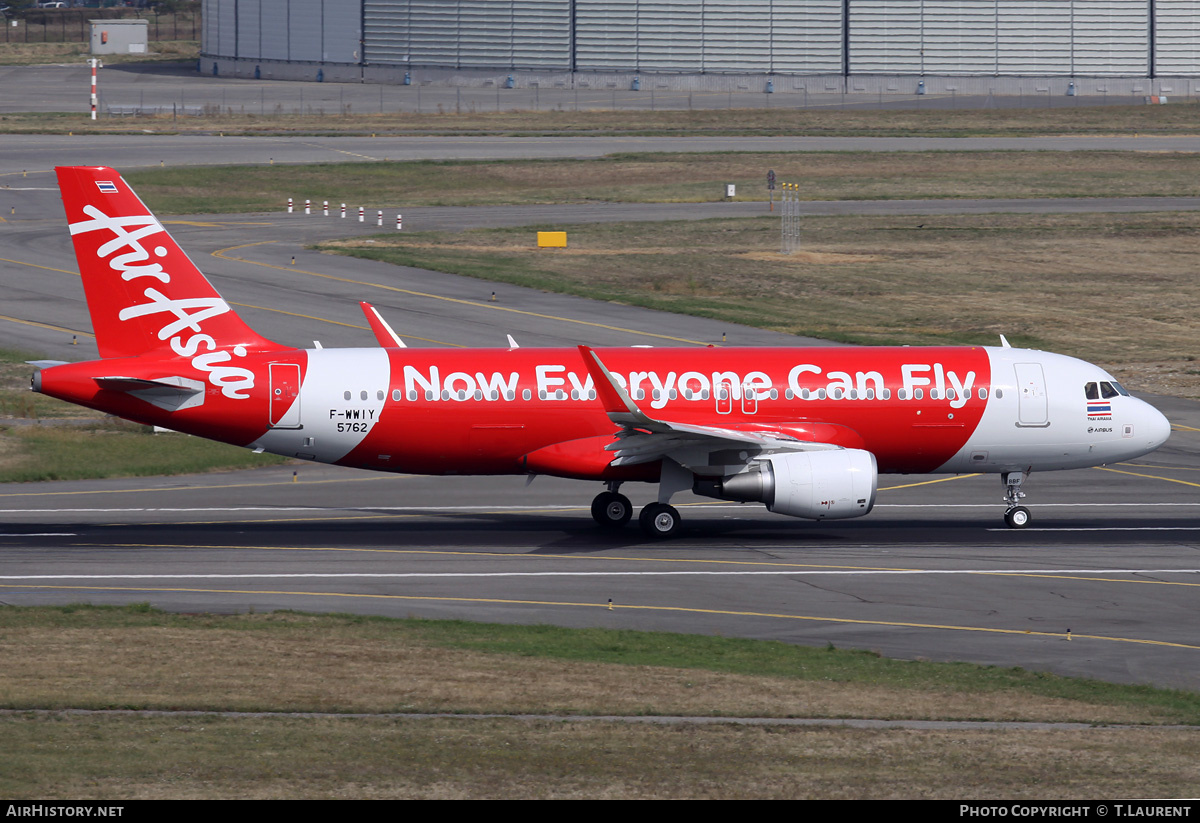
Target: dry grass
x,y
666,178
208,757
134,658
29,54
1110,287
783,118
17,401
342,671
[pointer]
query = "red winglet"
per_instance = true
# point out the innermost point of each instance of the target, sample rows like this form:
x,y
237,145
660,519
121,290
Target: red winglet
x,y
614,398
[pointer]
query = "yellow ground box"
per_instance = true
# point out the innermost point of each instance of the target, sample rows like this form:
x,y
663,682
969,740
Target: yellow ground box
x,y
552,239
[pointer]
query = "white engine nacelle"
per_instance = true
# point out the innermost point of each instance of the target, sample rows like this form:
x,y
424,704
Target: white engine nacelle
x,y
819,485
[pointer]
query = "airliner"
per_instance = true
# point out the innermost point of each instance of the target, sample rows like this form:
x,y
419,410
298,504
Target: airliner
x,y
804,431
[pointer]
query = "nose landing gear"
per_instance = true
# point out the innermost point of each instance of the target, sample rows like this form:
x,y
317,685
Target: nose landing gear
x,y
1016,516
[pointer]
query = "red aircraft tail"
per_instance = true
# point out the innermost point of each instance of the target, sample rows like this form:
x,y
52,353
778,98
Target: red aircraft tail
x,y
144,293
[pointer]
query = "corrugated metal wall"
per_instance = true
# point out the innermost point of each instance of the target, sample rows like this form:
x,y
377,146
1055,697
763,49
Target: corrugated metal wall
x,y
318,31
518,34
685,36
1177,37
1000,37
1099,38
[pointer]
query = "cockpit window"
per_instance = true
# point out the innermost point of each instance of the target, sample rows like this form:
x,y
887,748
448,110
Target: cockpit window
x,y
1107,390
1121,390
1092,391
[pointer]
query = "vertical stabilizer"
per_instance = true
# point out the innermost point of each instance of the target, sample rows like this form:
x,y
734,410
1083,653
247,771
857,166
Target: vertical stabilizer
x,y
144,294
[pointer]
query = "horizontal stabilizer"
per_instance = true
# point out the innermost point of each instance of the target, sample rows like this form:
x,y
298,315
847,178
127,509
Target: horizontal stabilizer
x,y
169,393
45,364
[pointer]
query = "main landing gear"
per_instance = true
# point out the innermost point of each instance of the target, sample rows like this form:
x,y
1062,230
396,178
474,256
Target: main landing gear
x,y
612,511
659,520
1016,516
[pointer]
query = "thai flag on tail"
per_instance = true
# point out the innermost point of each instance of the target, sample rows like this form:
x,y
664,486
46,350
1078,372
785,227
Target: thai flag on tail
x,y
106,186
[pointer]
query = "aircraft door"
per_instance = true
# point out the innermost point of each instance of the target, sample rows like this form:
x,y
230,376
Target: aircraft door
x,y
1033,408
285,396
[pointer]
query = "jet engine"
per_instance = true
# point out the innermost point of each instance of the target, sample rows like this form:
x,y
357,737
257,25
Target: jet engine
x,y
819,485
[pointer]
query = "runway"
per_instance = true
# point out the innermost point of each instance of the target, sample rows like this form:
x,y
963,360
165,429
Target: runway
x,y
1102,585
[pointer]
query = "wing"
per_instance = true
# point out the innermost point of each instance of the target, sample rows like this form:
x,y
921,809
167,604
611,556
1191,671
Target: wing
x,y
643,439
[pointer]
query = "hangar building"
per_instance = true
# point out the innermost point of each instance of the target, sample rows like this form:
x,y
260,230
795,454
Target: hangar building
x,y
857,45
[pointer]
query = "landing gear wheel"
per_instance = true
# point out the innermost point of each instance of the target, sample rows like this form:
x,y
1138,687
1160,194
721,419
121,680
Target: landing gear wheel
x,y
1017,517
659,520
611,510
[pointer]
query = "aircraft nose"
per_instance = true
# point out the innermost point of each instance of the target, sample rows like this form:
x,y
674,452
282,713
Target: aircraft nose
x,y
1154,427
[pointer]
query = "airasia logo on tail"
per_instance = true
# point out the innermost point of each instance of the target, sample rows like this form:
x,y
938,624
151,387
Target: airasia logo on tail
x,y
179,315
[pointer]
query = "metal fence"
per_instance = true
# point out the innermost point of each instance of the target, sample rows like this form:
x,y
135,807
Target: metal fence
x,y
230,89
73,25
